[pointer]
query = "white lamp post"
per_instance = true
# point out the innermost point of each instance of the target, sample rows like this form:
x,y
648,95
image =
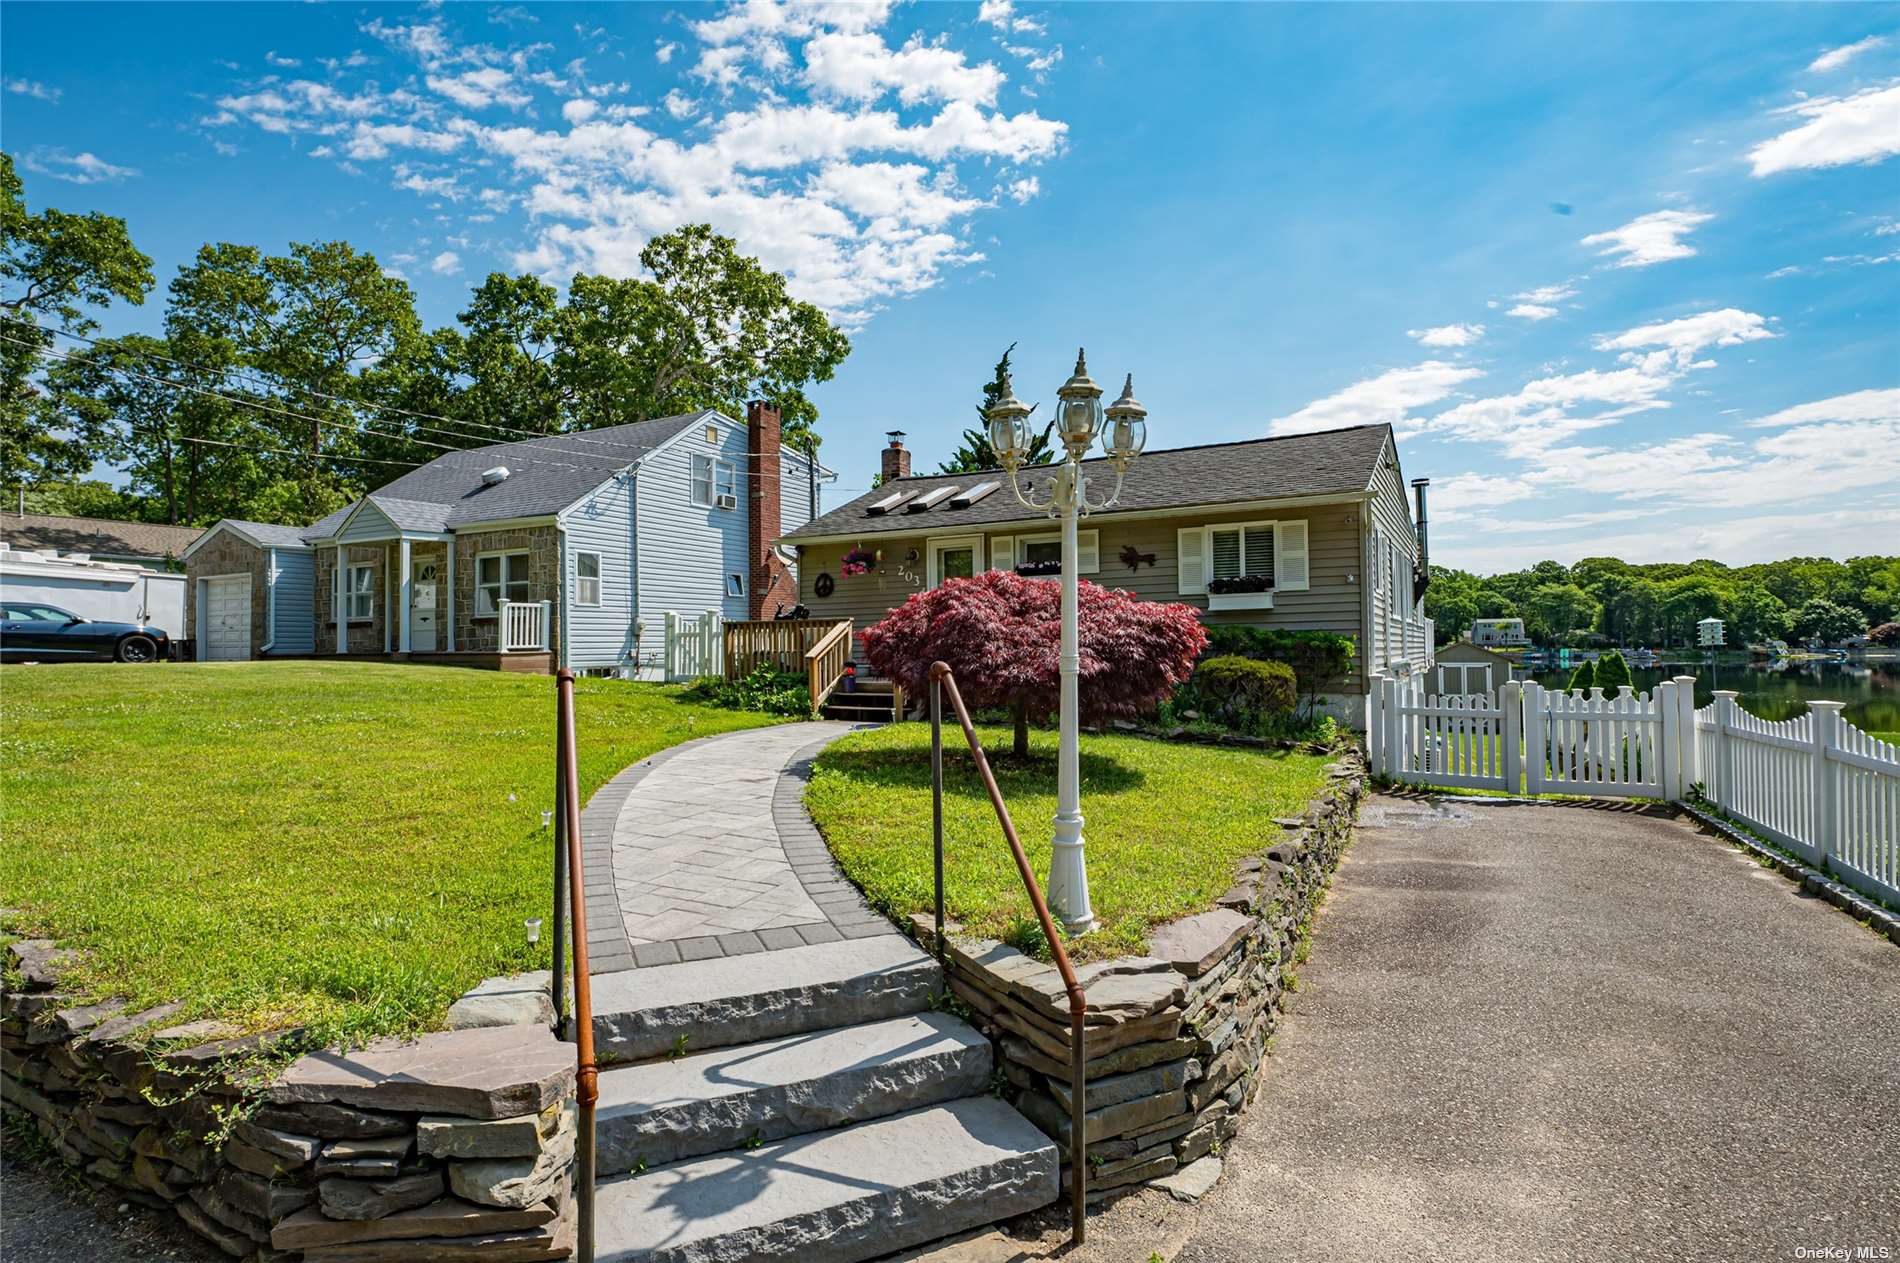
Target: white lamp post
x,y
1079,419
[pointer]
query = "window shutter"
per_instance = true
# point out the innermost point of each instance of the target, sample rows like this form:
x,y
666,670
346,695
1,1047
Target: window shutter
x,y
1190,552
1003,553
1087,551
1289,555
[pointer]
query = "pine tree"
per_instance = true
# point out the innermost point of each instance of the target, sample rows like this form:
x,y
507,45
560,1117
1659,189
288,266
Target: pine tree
x,y
976,453
1585,677
1613,673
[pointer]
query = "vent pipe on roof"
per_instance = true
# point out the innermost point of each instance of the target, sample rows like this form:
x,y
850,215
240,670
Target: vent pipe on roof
x,y
498,474
1423,578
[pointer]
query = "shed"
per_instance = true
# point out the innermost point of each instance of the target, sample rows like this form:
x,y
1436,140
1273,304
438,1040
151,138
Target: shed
x,y
1466,668
251,592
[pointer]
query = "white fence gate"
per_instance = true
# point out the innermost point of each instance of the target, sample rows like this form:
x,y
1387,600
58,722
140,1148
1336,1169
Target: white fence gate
x,y
1815,784
695,646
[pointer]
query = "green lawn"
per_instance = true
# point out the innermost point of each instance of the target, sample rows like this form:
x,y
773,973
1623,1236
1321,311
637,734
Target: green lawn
x,y
1166,825
346,845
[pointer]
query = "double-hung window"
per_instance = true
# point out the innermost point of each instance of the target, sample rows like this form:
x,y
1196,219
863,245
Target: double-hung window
x,y
362,592
1241,552
500,577
713,478
587,578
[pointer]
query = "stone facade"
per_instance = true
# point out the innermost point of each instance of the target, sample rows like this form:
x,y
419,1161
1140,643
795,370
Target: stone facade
x,y
456,1145
481,634
365,635
229,555
1173,1039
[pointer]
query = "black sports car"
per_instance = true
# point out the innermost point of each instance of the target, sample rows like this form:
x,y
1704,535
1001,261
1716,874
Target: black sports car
x,y
31,632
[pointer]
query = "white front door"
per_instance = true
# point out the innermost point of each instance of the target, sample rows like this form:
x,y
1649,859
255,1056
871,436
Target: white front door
x,y
227,618
423,589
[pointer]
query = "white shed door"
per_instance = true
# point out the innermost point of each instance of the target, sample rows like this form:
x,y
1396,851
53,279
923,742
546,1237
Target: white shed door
x,y
228,618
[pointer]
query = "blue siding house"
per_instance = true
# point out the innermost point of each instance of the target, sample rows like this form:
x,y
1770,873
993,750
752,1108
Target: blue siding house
x,y
563,551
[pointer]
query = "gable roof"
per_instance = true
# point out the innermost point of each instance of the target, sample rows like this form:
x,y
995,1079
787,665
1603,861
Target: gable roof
x,y
256,534
100,536
1331,462
544,476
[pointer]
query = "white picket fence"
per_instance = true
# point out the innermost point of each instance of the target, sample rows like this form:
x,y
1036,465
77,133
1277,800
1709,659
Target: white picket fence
x,y
694,646
1815,784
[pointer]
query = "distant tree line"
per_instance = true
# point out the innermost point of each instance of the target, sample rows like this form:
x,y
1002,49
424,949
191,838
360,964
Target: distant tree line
x,y
1602,600
283,386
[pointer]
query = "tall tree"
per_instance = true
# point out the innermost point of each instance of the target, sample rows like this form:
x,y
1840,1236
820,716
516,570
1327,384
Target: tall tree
x,y
976,453
55,268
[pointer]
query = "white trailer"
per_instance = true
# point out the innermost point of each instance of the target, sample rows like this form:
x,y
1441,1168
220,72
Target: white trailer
x,y
104,591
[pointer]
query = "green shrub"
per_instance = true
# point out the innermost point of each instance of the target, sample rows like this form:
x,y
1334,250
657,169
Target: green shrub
x,y
762,689
1245,692
1585,677
1613,673
1321,660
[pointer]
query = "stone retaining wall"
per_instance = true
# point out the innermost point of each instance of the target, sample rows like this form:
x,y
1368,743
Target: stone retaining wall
x,y
456,1145
1173,1039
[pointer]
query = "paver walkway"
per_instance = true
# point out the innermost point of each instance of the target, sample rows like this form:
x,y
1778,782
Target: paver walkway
x,y
705,850
1569,1033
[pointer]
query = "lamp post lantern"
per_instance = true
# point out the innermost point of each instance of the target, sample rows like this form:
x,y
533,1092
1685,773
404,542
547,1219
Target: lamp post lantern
x,y
1080,421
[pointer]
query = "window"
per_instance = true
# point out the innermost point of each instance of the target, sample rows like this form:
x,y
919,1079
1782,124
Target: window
x,y
735,585
1047,550
954,557
712,478
1241,552
587,578
500,577
36,614
362,593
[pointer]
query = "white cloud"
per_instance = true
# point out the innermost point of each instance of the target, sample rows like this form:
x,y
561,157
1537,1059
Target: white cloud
x,y
284,62
679,105
443,186
81,168
1861,405
478,89
1002,15
1460,494
862,67
35,89
1390,397
1532,311
579,110
445,264
1835,58
1649,239
663,50
1447,335
1682,340
1862,128
1025,189
1548,293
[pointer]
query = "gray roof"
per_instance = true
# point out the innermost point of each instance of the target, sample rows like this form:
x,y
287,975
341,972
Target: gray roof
x,y
270,535
544,476
1332,462
101,537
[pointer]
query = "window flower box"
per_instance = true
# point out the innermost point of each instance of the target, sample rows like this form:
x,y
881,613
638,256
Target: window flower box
x,y
1217,601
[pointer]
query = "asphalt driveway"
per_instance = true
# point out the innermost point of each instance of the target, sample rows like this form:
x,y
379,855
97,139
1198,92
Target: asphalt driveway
x,y
1570,1033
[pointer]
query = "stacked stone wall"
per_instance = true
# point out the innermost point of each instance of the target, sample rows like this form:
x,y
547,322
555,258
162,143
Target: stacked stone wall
x,y
1173,1040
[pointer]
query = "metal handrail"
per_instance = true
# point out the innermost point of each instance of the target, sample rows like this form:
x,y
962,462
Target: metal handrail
x,y
568,851
940,679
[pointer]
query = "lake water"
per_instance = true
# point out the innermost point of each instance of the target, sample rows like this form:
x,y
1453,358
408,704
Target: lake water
x,y
1782,690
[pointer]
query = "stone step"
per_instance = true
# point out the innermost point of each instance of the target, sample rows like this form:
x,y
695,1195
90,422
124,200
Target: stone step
x,y
665,1111
840,1196
733,1000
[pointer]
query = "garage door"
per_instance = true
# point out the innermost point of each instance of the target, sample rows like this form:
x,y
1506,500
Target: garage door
x,y
228,618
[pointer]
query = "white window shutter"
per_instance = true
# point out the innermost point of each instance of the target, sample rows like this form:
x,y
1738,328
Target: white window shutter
x,y
1088,551
1190,551
1290,568
1003,553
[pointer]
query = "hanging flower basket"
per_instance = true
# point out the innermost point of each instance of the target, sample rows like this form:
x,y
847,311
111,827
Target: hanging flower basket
x,y
857,561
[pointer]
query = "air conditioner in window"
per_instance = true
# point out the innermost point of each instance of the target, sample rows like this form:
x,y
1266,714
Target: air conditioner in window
x,y
727,501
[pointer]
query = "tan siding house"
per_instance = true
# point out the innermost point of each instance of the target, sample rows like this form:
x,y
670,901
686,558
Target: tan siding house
x,y
1337,542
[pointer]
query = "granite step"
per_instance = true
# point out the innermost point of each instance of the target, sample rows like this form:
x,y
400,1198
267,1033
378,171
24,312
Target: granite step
x,y
733,1000
840,1196
665,1111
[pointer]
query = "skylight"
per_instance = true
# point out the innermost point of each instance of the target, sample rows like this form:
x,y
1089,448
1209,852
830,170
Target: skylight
x,y
970,497
888,503
929,498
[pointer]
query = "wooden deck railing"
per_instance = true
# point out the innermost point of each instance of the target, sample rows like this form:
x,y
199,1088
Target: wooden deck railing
x,y
783,642
942,682
825,663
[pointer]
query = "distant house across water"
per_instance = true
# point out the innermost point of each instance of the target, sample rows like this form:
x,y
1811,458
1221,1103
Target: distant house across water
x,y
1496,632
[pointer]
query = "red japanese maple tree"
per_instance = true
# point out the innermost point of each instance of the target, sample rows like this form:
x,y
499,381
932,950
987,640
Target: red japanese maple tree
x,y
1001,635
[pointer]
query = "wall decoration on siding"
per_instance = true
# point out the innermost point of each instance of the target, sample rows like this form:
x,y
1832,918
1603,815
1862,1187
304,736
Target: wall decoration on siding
x,y
824,585
1135,559
856,562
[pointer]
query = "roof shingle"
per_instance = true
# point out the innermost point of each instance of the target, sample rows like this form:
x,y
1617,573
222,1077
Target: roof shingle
x,y
100,536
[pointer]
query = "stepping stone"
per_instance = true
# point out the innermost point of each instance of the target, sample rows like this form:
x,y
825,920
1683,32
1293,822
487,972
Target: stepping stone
x,y
664,1111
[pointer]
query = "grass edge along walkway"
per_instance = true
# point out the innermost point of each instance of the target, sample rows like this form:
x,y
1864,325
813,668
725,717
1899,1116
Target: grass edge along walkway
x,y
342,846
1166,825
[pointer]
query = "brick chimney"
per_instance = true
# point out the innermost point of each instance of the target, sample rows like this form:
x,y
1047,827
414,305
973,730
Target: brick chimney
x,y
896,458
769,587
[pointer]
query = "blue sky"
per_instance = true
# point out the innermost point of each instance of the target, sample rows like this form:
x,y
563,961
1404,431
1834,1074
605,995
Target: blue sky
x,y
1627,279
